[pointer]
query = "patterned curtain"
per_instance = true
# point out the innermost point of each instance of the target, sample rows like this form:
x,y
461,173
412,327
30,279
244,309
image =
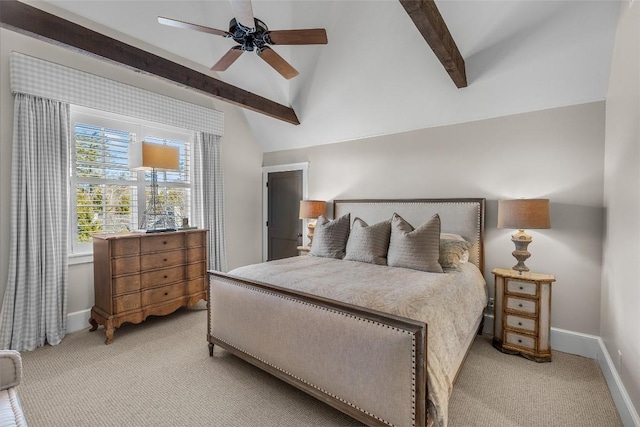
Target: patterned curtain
x,y
34,310
208,196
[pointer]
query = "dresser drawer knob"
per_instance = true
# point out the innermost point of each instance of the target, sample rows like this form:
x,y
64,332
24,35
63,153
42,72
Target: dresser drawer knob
x,y
165,260
166,293
165,276
519,323
521,288
519,305
520,341
164,242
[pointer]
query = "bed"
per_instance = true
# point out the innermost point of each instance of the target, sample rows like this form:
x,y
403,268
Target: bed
x,y
382,344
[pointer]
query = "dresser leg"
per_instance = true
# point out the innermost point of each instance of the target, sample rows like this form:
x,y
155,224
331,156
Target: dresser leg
x,y
210,349
109,330
94,324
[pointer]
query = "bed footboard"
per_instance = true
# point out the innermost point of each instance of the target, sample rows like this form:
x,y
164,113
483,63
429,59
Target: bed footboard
x,y
367,364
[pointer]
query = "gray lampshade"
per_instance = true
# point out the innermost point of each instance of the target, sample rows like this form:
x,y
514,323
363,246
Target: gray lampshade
x,y
523,214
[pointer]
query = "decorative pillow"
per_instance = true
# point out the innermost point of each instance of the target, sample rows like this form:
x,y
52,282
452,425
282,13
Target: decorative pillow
x,y
368,243
418,248
453,252
330,237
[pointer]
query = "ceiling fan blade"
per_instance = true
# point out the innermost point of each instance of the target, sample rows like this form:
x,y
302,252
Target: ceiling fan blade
x,y
189,26
243,12
277,62
228,59
291,37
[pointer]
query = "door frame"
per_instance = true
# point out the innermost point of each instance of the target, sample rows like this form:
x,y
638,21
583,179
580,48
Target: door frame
x,y
266,170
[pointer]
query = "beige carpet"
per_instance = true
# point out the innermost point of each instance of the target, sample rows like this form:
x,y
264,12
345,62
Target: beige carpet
x,y
159,374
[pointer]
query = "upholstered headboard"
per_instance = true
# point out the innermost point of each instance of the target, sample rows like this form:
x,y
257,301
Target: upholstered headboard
x,y
460,216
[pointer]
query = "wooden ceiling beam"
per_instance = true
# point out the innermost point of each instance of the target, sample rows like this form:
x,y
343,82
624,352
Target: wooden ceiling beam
x,y
426,17
32,21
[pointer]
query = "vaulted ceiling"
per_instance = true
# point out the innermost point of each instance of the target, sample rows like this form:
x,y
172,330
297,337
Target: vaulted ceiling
x,y
377,75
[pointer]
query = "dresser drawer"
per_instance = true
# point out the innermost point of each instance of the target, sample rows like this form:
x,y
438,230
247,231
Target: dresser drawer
x,y
196,285
522,305
520,340
126,303
524,323
196,270
125,265
120,247
196,254
162,242
126,284
522,288
162,294
196,239
162,260
161,277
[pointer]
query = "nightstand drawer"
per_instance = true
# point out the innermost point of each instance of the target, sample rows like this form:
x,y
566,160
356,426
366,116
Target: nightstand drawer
x,y
524,323
523,288
520,340
522,305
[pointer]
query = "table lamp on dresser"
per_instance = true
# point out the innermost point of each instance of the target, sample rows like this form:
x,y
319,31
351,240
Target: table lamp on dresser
x,y
146,156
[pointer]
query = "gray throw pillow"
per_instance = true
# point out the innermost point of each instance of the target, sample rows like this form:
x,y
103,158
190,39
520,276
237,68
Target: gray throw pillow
x,y
330,237
368,243
419,248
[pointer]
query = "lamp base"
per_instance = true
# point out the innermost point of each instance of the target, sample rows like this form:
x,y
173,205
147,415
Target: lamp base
x,y
521,254
311,226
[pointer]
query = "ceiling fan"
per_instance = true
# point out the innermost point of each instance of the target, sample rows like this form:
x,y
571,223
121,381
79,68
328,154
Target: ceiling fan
x,y
252,34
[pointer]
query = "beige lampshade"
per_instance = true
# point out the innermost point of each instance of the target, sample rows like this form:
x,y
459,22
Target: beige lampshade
x,y
312,209
147,156
523,214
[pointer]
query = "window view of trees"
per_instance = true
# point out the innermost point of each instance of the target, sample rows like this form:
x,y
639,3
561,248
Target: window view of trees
x,y
104,204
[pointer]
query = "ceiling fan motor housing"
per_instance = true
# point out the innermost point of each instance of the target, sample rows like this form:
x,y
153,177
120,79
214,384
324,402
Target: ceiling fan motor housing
x,y
250,38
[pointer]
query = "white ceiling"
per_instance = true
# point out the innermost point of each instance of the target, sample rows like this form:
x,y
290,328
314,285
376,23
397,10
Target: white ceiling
x,y
377,75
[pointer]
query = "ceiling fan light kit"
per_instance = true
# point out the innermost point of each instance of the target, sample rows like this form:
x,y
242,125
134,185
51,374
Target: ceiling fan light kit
x,y
256,38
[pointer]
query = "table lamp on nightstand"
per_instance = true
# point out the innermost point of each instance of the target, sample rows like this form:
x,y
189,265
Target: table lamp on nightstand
x,y
311,210
521,214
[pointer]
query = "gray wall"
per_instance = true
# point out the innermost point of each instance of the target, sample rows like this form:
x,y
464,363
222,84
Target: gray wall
x,y
556,154
620,281
242,158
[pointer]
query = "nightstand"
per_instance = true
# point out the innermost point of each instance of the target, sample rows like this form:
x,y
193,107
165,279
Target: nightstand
x,y
303,250
522,310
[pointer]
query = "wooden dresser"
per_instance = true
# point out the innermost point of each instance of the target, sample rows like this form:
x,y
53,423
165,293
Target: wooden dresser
x,y
522,320
136,275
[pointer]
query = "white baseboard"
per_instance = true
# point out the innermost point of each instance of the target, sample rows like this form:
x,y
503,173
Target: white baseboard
x,y
593,347
78,320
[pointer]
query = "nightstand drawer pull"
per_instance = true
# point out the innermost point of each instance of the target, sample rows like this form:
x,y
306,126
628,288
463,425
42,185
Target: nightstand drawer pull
x,y
522,288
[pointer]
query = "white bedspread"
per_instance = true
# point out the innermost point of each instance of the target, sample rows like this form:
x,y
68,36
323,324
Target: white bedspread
x,y
449,303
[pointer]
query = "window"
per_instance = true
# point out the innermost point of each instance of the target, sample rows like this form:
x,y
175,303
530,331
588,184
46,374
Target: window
x,y
107,197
